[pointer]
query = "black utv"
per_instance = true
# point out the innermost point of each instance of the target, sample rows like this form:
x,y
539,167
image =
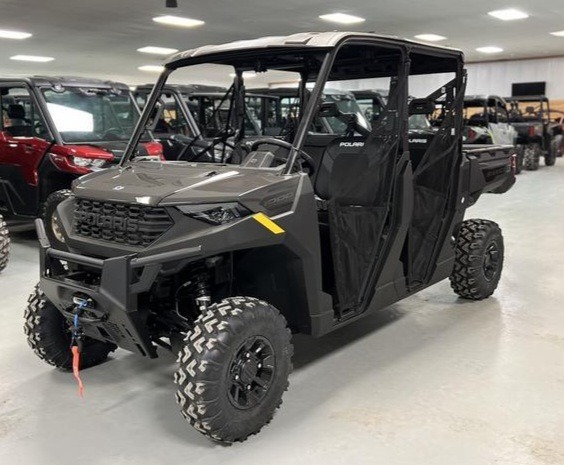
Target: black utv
x,y
531,117
221,262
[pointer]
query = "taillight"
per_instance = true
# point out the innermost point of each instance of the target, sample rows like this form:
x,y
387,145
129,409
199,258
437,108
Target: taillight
x,y
531,131
514,163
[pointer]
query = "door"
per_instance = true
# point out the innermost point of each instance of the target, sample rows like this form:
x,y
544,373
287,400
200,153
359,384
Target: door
x,y
360,172
24,141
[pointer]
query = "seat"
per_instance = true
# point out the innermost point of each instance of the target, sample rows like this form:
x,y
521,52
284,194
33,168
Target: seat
x,y
342,148
20,125
478,119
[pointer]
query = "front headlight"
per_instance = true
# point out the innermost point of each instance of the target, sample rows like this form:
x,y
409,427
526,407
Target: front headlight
x,y
215,213
93,163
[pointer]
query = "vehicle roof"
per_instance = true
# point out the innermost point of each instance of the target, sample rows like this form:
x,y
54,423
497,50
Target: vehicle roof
x,y
66,81
479,100
293,91
378,92
218,95
528,98
185,88
307,40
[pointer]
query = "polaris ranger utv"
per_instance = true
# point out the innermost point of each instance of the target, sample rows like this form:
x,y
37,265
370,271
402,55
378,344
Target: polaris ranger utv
x,y
219,263
53,130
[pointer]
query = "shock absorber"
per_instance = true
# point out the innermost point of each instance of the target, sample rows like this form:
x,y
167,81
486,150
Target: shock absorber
x,y
201,290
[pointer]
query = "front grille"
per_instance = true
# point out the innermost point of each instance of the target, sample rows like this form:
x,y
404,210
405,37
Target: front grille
x,y
135,225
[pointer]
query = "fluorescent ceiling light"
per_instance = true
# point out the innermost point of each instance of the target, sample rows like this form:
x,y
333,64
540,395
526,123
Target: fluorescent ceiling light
x,y
36,59
430,37
342,18
508,15
489,49
178,21
246,74
157,50
14,35
151,68
558,33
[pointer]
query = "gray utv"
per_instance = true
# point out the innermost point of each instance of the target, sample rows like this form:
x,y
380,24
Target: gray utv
x,y
305,233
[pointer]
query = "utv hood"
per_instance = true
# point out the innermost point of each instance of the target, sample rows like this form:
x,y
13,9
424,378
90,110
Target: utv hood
x,y
103,149
153,183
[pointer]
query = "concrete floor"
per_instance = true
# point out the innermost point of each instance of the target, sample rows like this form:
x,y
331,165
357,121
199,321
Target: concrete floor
x,y
432,380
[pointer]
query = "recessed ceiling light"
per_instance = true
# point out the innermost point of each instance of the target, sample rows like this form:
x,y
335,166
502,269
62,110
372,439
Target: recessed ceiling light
x,y
342,18
14,35
34,58
178,21
489,49
151,68
430,37
157,50
558,33
246,74
508,15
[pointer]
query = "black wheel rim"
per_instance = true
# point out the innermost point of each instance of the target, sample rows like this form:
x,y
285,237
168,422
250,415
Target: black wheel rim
x,y
251,372
491,261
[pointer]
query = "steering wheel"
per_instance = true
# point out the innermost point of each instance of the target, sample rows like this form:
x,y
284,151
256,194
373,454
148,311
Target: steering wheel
x,y
286,145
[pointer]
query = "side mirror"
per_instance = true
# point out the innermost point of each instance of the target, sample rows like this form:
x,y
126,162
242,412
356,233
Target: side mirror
x,y
3,137
329,110
421,106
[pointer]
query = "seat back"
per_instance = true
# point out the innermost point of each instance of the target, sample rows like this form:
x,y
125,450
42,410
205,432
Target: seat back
x,y
343,148
20,126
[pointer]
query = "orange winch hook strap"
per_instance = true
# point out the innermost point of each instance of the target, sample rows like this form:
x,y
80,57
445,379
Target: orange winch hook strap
x,y
76,369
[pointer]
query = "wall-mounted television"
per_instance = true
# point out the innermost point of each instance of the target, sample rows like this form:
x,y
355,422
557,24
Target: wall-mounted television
x,y
520,89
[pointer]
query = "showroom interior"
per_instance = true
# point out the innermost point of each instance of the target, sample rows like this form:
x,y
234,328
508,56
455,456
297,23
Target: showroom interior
x,y
304,232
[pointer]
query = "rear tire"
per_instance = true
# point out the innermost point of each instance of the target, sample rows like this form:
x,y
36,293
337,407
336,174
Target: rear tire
x,y
532,157
550,157
234,368
48,334
520,156
556,145
53,227
4,244
478,259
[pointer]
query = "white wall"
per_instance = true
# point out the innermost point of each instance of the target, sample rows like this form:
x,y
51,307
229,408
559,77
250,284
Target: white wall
x,y
486,78
497,77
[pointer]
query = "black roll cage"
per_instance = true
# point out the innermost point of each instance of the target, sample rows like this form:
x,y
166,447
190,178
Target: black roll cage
x,y
309,101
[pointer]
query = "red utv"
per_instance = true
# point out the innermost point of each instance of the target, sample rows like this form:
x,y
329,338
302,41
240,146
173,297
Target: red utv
x,y
53,130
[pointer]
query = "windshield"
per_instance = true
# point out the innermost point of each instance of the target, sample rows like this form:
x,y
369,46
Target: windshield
x,y
85,115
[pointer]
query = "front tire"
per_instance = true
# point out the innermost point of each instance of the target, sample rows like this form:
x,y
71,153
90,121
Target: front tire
x,y
53,227
532,157
234,368
4,244
48,334
478,259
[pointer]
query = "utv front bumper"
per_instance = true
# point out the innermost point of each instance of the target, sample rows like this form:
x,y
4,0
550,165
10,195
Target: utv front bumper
x,y
113,286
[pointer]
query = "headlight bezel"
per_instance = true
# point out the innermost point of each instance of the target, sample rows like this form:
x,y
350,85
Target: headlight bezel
x,y
216,214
